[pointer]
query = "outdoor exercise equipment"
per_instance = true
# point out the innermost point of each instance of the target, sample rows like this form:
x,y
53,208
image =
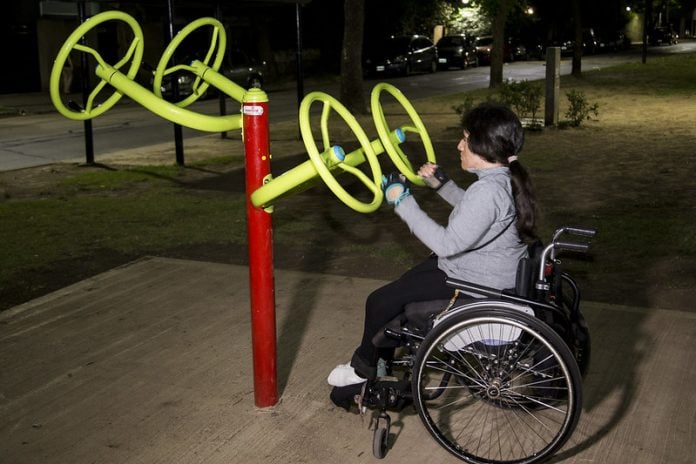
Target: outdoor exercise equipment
x,y
386,136
262,189
333,159
134,54
125,85
217,49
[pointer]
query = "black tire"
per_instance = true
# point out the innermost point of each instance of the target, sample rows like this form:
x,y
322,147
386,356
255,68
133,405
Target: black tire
x,y
380,442
515,390
433,66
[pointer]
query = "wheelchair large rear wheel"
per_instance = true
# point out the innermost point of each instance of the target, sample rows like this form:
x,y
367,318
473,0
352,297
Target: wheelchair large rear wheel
x,y
512,392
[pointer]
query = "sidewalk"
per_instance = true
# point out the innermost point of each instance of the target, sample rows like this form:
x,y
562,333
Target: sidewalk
x,y
22,104
150,363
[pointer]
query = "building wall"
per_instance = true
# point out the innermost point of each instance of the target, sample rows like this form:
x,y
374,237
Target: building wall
x,y
20,51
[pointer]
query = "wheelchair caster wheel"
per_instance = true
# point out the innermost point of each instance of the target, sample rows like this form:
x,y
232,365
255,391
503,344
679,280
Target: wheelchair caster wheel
x,y
380,440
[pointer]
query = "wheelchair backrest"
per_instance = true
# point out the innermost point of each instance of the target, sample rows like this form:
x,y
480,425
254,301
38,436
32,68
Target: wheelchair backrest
x,y
526,271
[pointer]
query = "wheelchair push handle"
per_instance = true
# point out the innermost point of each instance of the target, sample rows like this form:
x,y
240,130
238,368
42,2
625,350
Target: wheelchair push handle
x,y
582,231
571,246
555,246
558,245
578,231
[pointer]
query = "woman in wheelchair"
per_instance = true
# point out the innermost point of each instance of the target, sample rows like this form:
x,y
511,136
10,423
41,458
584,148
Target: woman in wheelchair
x,y
496,376
485,237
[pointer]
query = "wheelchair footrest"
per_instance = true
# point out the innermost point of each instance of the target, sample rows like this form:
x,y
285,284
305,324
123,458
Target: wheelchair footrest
x,y
387,393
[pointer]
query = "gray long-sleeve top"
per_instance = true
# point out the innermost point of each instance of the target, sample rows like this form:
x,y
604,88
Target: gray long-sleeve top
x,y
480,213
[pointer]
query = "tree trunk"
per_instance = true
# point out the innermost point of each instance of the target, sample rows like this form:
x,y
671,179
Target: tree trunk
x,y
498,45
647,26
578,49
576,69
351,93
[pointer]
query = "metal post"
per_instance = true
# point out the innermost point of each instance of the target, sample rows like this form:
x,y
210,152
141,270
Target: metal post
x,y
87,124
178,132
298,58
260,238
553,85
221,95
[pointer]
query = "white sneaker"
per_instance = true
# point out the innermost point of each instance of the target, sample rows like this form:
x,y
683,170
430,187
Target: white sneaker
x,y
343,375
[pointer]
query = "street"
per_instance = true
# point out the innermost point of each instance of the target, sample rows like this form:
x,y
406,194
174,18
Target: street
x,y
40,139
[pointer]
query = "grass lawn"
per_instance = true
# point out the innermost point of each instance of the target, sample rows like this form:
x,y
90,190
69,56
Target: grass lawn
x,y
629,173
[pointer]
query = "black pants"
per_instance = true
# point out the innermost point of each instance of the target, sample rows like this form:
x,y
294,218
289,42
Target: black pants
x,y
424,282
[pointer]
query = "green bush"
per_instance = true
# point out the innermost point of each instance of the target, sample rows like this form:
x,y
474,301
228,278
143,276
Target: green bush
x,y
579,108
464,107
523,97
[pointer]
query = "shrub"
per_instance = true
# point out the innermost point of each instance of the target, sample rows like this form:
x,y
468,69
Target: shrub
x,y
464,107
524,97
579,108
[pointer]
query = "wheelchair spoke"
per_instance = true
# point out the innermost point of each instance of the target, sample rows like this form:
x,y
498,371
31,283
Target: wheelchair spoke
x,y
511,396
449,369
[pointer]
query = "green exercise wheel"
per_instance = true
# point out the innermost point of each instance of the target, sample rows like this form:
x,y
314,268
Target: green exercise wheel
x,y
134,55
215,53
395,152
325,168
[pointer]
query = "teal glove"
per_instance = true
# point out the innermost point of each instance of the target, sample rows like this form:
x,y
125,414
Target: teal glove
x,y
395,187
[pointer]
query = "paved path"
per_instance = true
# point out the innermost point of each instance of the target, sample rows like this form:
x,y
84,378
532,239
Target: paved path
x,y
150,363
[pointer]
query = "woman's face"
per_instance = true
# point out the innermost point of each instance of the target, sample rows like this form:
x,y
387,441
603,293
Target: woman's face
x,y
468,158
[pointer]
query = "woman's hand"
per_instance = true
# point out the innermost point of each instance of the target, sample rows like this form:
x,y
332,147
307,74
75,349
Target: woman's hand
x,y
433,175
395,187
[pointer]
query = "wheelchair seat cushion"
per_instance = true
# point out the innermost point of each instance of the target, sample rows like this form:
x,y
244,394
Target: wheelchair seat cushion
x,y
418,317
420,314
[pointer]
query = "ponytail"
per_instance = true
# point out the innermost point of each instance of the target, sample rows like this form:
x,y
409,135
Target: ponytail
x,y
496,135
525,202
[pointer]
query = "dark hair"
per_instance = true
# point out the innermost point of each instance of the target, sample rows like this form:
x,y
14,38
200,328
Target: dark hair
x,y
496,134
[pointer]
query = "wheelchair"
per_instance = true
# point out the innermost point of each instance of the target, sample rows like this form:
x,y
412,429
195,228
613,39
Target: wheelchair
x,y
496,379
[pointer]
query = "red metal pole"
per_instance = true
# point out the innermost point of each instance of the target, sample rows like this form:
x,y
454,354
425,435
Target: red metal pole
x,y
260,237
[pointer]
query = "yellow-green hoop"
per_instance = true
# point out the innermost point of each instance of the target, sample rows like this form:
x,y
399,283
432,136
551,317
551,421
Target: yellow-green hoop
x,y
218,42
135,52
395,152
321,167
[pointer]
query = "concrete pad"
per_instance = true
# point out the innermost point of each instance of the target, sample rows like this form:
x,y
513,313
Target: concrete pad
x,y
151,363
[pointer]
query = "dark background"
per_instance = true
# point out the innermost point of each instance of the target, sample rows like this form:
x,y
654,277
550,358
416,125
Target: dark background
x,y
32,30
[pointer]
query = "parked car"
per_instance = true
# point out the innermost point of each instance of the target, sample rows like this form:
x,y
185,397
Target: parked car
x,y
590,42
663,36
241,69
533,46
613,41
402,55
484,45
567,46
236,66
516,50
456,50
